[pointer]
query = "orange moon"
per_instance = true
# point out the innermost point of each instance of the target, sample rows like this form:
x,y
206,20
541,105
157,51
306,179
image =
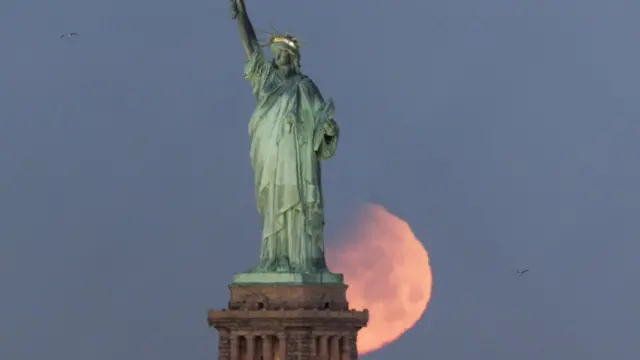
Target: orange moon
x,y
387,270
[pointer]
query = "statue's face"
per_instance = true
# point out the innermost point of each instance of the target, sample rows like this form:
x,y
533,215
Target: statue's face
x,y
284,58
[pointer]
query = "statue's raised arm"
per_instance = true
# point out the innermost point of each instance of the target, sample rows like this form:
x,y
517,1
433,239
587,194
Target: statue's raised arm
x,y
247,33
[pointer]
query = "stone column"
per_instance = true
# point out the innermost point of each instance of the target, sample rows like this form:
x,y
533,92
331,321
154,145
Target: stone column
x,y
314,349
335,347
282,346
266,347
324,347
251,347
346,348
234,351
353,344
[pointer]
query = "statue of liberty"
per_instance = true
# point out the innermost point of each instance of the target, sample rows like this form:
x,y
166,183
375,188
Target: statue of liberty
x,y
292,129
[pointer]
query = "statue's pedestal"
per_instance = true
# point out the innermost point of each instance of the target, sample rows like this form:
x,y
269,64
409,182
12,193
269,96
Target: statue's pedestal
x,y
288,278
288,322
288,297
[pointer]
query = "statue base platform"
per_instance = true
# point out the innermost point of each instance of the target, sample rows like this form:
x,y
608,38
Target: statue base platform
x,y
287,278
280,322
288,297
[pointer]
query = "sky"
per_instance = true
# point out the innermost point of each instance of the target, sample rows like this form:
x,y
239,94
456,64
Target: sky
x,y
504,132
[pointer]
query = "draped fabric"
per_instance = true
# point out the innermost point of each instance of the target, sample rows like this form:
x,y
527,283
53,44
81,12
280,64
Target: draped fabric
x,y
288,140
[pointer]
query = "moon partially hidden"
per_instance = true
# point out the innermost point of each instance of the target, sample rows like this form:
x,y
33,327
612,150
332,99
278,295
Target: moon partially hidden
x,y
387,270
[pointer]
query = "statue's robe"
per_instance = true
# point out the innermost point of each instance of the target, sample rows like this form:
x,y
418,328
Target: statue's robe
x,y
288,140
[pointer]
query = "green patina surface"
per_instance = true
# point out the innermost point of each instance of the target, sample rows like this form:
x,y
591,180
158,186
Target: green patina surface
x,y
287,278
292,130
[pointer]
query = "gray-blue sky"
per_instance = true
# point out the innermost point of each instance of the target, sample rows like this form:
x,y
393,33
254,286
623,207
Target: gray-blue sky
x,y
504,132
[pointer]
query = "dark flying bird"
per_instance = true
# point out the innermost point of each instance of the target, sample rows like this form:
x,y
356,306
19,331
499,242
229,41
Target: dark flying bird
x,y
522,272
68,35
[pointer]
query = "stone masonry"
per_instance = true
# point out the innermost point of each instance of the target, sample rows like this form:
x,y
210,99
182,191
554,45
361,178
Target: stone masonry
x,y
288,322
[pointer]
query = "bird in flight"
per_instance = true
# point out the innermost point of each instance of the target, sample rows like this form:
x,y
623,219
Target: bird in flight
x,y
68,35
521,272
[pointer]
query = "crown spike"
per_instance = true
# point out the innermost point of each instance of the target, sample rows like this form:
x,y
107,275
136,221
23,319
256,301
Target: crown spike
x,y
277,37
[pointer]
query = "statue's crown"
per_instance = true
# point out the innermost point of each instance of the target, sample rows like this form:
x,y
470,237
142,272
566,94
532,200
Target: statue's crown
x,y
286,39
